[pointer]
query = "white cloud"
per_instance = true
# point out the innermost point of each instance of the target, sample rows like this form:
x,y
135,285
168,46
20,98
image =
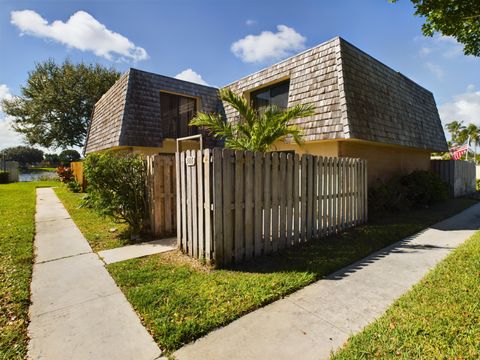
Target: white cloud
x,y
435,70
8,137
4,94
268,45
192,76
424,51
250,22
81,31
464,107
439,45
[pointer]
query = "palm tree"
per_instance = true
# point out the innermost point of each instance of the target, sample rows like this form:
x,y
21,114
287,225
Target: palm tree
x,y
457,131
255,131
473,133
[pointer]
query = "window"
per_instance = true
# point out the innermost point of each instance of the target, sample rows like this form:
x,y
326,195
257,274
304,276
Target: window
x,y
276,94
176,111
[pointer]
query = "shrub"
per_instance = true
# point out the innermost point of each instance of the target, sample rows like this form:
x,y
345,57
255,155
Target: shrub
x,y
74,186
388,195
420,188
425,188
65,174
116,187
3,177
478,185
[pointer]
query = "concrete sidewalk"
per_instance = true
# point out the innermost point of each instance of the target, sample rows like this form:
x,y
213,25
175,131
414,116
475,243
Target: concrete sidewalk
x,y
318,319
77,310
138,250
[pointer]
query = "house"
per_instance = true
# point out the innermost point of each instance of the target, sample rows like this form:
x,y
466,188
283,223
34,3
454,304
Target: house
x,y
145,112
363,109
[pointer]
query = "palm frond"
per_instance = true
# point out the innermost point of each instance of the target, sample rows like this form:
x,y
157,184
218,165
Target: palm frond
x,y
240,104
214,124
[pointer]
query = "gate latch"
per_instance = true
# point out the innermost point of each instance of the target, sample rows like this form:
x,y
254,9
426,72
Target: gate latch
x,y
190,160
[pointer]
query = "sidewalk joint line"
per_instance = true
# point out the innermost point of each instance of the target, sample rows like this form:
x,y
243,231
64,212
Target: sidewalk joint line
x,y
63,257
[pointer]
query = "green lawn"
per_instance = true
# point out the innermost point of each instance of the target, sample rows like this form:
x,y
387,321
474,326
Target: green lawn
x,y
17,229
179,300
40,169
438,319
95,228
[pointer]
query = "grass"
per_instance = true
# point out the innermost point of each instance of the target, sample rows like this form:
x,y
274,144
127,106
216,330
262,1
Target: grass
x,y
39,169
17,228
438,319
95,228
179,300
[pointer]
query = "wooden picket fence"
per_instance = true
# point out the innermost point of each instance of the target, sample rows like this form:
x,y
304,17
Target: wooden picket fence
x,y
236,205
459,175
161,196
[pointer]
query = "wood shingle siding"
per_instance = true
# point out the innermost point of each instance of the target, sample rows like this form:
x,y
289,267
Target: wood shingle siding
x,y
385,106
313,78
129,113
354,95
106,124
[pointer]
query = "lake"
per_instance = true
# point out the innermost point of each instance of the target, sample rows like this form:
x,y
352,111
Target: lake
x,y
38,175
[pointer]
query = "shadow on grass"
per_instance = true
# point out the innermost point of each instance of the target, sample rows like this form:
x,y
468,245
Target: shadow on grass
x,y
356,248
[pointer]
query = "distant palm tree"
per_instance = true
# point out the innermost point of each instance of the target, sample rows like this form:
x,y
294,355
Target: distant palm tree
x,y
255,131
457,132
473,135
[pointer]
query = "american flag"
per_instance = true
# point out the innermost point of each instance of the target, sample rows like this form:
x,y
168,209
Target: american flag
x,y
458,152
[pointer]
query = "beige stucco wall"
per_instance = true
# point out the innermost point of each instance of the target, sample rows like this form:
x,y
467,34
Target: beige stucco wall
x,y
319,148
386,161
169,147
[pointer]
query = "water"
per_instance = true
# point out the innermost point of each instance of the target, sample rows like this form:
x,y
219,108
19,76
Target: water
x,y
40,175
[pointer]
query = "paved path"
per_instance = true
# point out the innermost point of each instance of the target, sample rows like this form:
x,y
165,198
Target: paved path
x,y
138,250
77,310
312,322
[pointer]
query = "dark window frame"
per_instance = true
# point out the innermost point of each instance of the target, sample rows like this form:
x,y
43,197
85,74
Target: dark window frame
x,y
176,127
257,94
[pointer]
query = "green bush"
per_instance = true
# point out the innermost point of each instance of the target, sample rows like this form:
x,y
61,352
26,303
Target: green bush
x,y
3,177
74,186
478,185
425,188
65,174
420,188
116,187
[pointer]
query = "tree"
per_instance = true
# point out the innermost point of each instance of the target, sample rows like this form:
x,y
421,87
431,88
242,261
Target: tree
x,y
68,156
457,132
254,131
472,133
25,155
57,102
457,18
52,159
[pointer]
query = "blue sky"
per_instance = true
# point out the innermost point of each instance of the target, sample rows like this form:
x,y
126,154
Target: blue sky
x,y
220,41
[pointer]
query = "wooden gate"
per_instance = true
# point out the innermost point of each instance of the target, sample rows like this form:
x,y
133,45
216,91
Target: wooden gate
x,y
236,205
161,196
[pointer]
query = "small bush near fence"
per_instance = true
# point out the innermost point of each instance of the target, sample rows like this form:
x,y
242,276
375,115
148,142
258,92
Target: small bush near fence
x,y
420,188
74,186
116,187
3,177
65,174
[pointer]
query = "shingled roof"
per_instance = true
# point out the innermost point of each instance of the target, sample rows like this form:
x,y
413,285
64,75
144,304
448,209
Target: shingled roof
x,y
128,114
355,97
